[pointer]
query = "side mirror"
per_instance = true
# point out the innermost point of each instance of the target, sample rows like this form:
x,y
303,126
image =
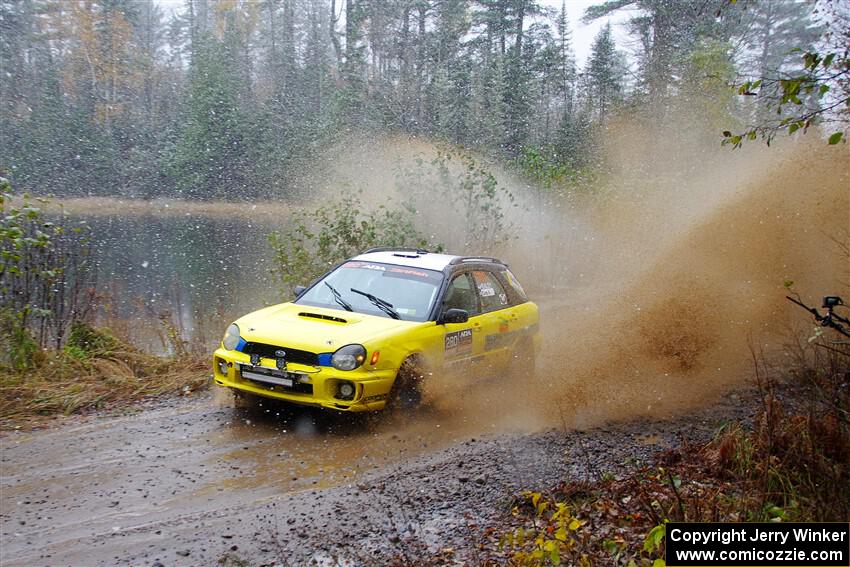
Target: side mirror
x,y
299,289
454,316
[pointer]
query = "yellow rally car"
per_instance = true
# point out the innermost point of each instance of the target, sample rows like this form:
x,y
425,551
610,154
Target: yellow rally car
x,y
366,333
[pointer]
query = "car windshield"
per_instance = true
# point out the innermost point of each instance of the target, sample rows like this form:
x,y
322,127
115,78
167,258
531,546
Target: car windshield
x,y
410,291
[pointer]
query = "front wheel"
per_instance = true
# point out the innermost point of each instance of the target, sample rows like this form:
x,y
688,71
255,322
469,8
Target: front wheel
x,y
406,391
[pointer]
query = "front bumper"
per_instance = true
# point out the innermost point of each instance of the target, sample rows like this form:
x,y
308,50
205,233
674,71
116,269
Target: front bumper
x,y
310,385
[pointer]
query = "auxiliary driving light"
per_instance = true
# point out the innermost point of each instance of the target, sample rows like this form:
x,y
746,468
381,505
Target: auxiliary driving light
x,y
222,367
346,390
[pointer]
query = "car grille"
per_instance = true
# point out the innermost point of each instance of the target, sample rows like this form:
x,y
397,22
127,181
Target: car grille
x,y
292,355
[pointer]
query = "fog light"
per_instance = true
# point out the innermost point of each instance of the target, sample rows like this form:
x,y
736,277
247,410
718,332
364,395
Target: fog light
x,y
346,390
222,367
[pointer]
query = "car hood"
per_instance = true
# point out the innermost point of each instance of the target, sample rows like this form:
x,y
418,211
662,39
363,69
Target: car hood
x,y
314,329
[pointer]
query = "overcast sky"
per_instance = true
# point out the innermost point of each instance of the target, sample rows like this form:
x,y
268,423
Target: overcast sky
x,y
582,34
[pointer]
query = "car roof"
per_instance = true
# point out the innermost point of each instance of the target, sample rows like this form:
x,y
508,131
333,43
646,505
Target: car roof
x,y
420,259
410,258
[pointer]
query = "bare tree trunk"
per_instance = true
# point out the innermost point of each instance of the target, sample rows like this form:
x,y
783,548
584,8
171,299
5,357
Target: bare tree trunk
x,y
503,17
520,24
334,37
420,63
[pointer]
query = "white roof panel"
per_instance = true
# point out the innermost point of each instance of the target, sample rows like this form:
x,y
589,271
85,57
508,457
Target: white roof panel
x,y
429,261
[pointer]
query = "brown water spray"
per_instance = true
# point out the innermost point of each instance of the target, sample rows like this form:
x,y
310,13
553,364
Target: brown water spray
x,y
653,285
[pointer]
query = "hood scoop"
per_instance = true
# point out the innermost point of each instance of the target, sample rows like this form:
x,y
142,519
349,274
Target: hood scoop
x,y
322,317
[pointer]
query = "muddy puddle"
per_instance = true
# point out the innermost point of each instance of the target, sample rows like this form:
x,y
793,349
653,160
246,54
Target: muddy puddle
x,y
291,449
175,465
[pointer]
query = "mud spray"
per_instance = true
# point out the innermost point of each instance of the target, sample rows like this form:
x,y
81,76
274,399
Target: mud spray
x,y
654,285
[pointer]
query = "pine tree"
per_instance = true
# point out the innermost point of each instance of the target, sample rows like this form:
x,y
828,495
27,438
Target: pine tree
x,y
208,159
666,32
353,72
518,97
566,63
545,54
778,28
604,81
488,109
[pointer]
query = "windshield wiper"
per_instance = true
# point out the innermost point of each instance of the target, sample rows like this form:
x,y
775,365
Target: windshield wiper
x,y
381,304
346,305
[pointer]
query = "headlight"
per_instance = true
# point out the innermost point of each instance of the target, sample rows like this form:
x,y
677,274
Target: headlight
x,y
348,357
231,337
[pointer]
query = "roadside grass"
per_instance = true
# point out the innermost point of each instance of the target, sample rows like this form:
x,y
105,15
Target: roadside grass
x,y
791,464
94,371
621,521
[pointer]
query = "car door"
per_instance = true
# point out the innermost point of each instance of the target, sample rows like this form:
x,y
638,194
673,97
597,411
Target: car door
x,y
463,342
522,314
498,324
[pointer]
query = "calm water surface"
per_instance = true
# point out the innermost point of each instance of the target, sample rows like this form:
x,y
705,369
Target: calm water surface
x,y
193,272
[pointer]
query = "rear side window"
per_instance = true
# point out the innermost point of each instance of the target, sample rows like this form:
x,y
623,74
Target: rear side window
x,y
515,285
490,291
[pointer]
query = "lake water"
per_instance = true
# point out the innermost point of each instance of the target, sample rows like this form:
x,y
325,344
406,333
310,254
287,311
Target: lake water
x,y
194,272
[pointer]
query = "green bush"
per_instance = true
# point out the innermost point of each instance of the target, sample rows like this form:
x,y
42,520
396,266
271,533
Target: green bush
x,y
45,275
552,173
16,343
472,201
84,342
318,239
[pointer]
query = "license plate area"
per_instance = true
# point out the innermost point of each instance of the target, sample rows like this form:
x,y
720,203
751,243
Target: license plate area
x,y
273,377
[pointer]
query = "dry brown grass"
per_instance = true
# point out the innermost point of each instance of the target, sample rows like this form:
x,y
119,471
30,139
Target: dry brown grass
x,y
61,384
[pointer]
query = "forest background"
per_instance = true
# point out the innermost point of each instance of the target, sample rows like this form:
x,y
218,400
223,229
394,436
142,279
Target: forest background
x,y
233,99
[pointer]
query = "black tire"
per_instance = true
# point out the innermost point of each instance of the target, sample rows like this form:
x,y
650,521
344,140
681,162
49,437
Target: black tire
x,y
406,392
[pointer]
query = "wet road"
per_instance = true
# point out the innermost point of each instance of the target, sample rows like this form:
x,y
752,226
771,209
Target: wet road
x,y
66,489
194,482
139,488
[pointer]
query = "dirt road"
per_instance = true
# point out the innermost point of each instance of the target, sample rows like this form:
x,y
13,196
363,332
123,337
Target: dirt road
x,y
192,481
